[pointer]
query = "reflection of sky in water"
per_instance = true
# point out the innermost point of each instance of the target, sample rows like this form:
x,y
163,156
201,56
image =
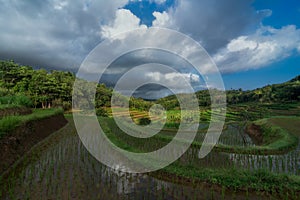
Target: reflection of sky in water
x,y
64,169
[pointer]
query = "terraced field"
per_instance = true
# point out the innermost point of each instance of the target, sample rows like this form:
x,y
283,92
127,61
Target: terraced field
x,y
61,168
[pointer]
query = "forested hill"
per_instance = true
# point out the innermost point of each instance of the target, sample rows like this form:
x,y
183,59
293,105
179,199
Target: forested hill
x,y
47,89
44,88
54,88
277,93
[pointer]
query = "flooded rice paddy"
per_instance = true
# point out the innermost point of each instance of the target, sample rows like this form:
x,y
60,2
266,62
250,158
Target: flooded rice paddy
x,y
61,168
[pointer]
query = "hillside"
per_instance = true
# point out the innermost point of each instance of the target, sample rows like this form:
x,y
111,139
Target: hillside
x,y
277,93
54,89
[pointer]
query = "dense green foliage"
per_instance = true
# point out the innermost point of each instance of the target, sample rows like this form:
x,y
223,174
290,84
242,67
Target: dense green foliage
x,y
144,121
45,89
260,180
101,112
24,86
54,89
276,93
230,177
18,100
284,92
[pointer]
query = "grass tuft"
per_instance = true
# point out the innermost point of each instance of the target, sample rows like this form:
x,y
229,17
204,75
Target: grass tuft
x,y
8,124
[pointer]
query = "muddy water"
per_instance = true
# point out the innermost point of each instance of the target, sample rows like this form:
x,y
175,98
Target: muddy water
x,y
61,168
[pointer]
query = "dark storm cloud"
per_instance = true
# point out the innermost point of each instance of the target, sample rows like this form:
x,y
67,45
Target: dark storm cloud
x,y
214,23
55,33
52,33
152,91
145,56
59,34
149,58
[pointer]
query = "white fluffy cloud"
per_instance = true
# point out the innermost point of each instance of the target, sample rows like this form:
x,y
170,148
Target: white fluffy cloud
x,y
60,33
155,1
159,1
162,77
162,19
236,42
266,46
124,21
171,79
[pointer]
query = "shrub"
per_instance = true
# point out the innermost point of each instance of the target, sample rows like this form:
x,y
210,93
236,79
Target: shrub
x,y
101,112
19,100
144,121
6,100
8,123
67,105
23,100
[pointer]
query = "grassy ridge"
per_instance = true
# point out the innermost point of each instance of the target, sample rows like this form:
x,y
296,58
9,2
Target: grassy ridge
x,y
238,179
235,178
276,140
291,124
276,137
8,106
15,100
9,123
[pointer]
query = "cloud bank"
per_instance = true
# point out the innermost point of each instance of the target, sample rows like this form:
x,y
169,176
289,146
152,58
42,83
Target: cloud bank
x,y
60,34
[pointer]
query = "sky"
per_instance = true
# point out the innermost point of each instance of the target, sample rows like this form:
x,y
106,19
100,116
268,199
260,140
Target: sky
x,y
252,42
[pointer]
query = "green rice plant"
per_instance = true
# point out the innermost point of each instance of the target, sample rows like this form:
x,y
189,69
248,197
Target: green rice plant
x,y
23,100
20,100
8,106
223,192
9,123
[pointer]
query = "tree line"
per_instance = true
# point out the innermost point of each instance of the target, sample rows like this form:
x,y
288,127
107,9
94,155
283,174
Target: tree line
x,y
48,89
53,88
287,92
45,89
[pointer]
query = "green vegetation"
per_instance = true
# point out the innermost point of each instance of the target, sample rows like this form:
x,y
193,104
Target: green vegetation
x,y
280,94
291,124
276,140
235,162
101,112
87,172
17,100
51,89
54,89
144,121
229,177
9,123
238,179
43,88
274,137
8,106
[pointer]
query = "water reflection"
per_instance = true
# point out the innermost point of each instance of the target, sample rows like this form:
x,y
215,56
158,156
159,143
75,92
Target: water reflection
x,y
61,168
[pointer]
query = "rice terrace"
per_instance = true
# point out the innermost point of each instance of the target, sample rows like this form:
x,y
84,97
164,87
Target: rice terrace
x,y
150,99
257,155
